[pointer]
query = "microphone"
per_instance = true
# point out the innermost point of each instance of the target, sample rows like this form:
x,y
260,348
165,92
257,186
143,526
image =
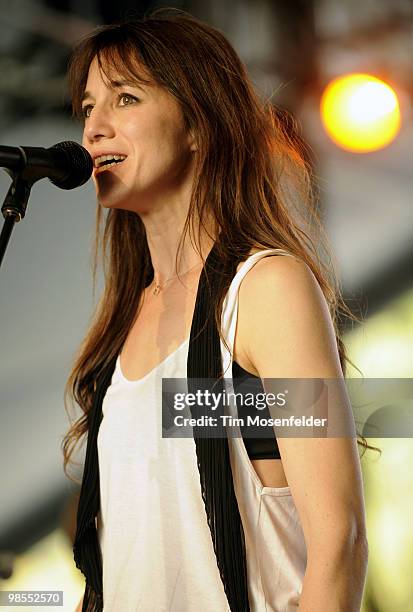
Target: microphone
x,y
67,164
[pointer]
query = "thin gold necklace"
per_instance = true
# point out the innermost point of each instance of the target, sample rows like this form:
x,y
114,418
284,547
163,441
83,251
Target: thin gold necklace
x,y
158,287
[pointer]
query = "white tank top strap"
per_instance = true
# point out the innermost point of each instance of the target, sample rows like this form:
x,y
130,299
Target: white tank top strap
x,y
230,306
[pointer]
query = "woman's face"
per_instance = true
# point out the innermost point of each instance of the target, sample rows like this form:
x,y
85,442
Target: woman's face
x,y
145,125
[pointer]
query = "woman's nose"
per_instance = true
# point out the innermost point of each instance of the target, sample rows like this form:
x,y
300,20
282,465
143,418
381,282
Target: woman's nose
x,y
98,125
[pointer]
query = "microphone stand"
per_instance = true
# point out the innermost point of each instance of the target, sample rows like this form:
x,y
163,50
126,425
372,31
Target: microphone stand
x,y
14,207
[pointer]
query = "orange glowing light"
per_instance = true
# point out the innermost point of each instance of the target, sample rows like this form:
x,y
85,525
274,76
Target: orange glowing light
x,y
360,113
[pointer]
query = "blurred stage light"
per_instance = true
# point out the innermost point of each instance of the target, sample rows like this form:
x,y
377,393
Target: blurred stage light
x,y
360,113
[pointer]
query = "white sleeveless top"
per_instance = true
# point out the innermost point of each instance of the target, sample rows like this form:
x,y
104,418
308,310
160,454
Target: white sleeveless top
x,y
156,544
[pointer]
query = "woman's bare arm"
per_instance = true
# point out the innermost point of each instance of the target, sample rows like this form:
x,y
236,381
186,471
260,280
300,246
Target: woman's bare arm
x,y
79,605
285,331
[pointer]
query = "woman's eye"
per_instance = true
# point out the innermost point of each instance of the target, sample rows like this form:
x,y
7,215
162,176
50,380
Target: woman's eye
x,y
129,99
86,111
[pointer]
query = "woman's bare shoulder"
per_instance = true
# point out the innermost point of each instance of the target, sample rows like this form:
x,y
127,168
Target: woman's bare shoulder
x,y
284,323
272,268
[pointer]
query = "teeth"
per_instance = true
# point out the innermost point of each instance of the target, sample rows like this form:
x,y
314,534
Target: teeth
x,y
102,158
109,165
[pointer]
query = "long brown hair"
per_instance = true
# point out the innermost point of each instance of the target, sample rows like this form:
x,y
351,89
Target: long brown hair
x,y
251,177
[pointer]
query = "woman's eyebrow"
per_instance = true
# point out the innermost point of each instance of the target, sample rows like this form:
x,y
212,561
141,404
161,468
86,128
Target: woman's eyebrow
x,y
124,82
115,85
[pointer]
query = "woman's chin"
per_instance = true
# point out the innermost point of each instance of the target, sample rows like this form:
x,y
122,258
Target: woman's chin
x,y
134,201
112,197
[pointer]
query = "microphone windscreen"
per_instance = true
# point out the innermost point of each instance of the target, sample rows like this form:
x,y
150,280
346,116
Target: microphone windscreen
x,y
79,164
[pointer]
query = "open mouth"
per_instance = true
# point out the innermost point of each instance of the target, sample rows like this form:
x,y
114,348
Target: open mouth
x,y
104,162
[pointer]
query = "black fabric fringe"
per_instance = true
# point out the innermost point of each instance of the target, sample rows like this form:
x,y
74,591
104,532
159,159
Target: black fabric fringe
x,y
213,459
86,549
217,487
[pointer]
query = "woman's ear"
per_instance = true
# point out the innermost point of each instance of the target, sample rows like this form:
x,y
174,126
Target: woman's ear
x,y
192,141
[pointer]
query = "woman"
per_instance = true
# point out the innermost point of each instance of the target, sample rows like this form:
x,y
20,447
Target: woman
x,y
197,176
